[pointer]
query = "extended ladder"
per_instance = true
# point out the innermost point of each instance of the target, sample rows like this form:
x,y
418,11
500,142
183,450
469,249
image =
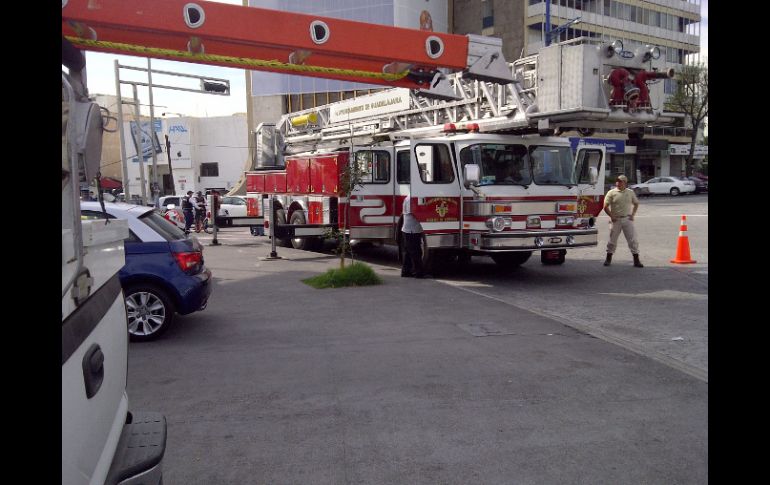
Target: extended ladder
x,y
565,85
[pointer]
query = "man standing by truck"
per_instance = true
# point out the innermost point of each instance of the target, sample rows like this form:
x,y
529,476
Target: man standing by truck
x,y
412,230
621,205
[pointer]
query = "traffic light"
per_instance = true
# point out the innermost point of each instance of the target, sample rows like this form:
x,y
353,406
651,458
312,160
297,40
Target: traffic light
x,y
217,87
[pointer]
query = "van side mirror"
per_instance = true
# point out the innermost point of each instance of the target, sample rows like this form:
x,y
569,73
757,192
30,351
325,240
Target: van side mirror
x,y
471,175
593,175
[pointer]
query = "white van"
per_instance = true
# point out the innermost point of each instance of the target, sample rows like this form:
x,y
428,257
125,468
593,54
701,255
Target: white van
x,y
102,441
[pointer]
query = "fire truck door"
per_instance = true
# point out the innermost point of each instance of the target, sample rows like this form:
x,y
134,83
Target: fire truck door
x,y
371,204
591,196
434,190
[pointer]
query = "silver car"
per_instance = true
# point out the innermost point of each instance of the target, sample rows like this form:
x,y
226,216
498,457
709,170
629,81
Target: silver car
x,y
664,185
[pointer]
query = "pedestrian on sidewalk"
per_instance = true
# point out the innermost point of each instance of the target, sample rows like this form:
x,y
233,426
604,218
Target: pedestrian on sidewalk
x,y
621,205
187,210
412,229
200,210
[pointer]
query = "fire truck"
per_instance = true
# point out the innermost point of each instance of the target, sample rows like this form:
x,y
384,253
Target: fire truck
x,y
478,154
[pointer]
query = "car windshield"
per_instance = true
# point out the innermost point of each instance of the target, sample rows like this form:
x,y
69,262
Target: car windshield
x,y
499,164
162,226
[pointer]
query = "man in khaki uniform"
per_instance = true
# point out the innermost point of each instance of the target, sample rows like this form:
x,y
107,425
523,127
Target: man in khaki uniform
x,y
621,204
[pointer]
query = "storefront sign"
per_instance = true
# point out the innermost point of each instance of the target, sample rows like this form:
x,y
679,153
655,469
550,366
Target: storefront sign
x,y
610,145
700,150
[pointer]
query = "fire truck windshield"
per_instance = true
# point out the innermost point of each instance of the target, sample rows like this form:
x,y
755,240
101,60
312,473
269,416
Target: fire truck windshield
x,y
552,165
499,164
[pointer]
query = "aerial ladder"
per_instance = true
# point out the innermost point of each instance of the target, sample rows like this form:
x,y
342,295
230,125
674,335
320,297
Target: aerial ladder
x,y
580,85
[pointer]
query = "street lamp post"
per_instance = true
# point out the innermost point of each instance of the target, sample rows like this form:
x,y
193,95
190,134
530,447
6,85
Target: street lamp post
x,y
208,85
557,30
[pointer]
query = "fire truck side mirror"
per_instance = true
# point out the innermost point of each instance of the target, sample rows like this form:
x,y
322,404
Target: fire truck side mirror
x,y
471,174
593,175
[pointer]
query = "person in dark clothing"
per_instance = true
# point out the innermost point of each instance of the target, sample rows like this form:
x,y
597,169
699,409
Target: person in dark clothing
x,y
412,230
199,201
187,210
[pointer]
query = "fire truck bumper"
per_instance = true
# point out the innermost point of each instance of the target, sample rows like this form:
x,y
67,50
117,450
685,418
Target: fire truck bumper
x,y
532,240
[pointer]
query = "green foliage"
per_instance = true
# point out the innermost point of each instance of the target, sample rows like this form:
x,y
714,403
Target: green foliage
x,y
692,99
351,178
356,274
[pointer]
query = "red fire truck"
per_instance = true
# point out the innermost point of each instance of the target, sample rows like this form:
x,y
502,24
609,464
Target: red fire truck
x,y
479,160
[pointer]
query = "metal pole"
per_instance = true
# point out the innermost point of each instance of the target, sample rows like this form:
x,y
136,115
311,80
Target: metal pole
x,y
214,210
170,169
138,146
547,23
273,253
121,135
155,187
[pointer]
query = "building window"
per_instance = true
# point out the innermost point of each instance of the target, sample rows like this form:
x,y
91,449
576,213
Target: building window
x,y
669,86
210,169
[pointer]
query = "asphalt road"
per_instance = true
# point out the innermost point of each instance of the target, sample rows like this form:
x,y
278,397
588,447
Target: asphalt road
x,y
660,311
570,374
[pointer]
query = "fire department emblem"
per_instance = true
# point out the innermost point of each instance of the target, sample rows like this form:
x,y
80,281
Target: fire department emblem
x,y
582,206
442,209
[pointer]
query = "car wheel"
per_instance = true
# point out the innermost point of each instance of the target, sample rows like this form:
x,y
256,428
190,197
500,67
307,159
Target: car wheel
x,y
150,312
674,191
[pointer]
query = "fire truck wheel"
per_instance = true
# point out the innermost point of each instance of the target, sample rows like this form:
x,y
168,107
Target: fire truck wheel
x,y
305,244
280,218
511,260
553,257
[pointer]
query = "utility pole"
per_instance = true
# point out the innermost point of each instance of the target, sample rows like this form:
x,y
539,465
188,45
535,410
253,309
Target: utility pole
x,y
170,169
155,192
126,181
137,140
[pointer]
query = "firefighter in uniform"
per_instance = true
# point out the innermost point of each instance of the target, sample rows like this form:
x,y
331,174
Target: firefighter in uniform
x,y
618,204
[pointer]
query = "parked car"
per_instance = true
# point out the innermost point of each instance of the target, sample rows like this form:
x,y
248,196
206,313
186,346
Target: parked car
x,y
700,184
164,272
232,206
664,185
167,200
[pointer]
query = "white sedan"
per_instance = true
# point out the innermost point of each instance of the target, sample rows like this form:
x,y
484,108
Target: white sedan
x,y
664,185
232,206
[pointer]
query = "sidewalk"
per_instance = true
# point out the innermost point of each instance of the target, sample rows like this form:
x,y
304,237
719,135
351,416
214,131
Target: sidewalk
x,y
411,381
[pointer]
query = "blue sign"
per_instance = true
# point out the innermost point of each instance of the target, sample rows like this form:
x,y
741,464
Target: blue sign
x,y
610,145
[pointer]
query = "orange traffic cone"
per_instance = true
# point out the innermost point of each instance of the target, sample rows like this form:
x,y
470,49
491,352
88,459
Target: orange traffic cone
x,y
683,245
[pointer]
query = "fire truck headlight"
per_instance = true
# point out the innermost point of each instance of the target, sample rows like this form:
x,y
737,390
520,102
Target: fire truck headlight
x,y
565,221
497,224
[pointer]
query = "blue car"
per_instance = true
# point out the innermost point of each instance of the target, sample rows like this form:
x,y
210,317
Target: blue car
x,y
164,272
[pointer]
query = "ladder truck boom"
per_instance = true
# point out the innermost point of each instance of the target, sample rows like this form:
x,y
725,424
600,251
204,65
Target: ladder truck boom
x,y
579,84
271,40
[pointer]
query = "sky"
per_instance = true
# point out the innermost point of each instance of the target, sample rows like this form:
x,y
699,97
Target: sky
x,y
101,80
